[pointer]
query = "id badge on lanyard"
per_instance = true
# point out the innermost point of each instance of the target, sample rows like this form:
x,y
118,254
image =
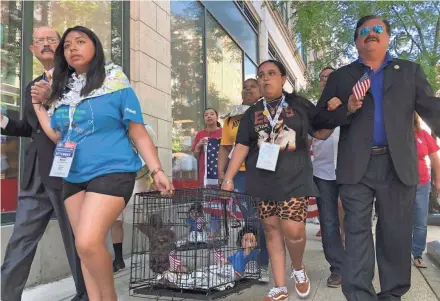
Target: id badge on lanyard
x,y
269,152
64,153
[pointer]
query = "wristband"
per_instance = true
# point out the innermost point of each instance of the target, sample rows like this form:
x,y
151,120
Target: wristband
x,y
154,172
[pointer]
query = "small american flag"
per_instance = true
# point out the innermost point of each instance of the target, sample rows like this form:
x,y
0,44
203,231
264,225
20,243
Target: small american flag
x,y
219,256
200,222
312,209
211,168
175,262
362,86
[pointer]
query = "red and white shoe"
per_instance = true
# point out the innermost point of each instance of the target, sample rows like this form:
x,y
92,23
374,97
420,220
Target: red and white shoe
x,y
277,294
302,282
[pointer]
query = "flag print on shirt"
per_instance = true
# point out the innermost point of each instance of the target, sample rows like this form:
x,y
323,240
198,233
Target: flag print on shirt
x,y
362,86
219,257
211,168
200,223
175,262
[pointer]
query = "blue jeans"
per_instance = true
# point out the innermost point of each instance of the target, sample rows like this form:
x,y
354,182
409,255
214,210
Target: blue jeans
x,y
250,214
420,219
329,220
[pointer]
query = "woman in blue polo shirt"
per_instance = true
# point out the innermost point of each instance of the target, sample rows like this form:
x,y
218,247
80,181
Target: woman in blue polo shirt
x,y
92,109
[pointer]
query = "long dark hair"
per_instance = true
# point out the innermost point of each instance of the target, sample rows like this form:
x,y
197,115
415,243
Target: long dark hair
x,y
62,72
296,102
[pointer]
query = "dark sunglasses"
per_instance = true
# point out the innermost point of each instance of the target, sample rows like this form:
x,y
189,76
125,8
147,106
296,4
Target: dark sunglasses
x,y
366,30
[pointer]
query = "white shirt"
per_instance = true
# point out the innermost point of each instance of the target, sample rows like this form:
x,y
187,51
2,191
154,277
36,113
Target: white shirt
x,y
5,120
325,155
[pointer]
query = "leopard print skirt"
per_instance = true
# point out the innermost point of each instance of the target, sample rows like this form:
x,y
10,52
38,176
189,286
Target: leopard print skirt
x,y
294,209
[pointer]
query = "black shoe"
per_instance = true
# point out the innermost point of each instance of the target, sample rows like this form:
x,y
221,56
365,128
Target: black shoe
x,y
334,281
81,297
118,265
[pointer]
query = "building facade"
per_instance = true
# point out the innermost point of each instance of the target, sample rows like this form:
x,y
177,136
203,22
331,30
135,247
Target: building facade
x,y
181,56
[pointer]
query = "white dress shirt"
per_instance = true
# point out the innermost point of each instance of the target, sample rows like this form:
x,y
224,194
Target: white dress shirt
x,y
325,154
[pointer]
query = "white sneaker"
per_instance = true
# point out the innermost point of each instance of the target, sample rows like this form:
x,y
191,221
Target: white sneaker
x,y
302,282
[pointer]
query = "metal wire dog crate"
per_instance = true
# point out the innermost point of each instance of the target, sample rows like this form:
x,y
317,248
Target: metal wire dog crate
x,y
189,245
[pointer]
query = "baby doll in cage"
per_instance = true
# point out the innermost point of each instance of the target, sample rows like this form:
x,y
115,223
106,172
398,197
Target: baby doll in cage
x,y
243,261
162,243
196,221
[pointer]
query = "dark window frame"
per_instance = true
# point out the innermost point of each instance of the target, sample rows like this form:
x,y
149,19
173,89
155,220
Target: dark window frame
x,y
242,8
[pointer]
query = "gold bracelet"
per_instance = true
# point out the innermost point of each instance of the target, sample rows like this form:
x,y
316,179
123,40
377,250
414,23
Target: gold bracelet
x,y
227,182
154,172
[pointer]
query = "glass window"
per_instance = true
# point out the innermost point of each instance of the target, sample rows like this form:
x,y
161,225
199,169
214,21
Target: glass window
x,y
64,14
250,69
289,86
224,68
230,16
10,39
187,87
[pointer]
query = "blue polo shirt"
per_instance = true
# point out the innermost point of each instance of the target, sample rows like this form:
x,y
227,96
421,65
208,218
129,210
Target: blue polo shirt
x,y
100,126
377,78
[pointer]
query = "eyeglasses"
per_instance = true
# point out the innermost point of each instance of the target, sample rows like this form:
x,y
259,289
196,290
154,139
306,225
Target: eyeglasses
x,y
50,40
366,30
323,78
270,74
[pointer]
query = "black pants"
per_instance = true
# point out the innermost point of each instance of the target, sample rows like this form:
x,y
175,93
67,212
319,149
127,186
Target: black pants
x,y
394,204
35,207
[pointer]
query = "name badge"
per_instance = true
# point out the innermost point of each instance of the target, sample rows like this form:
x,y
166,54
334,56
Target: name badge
x,y
63,158
268,156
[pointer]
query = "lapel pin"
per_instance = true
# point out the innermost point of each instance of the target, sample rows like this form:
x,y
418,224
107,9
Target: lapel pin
x,y
285,105
397,67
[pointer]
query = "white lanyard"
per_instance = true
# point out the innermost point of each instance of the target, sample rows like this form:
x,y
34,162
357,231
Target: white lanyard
x,y
277,115
71,114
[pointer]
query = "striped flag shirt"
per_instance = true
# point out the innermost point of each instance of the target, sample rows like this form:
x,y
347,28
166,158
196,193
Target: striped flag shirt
x,y
219,256
362,86
175,262
200,222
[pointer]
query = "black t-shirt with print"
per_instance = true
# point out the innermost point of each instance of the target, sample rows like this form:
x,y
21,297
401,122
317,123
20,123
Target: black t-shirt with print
x,y
293,176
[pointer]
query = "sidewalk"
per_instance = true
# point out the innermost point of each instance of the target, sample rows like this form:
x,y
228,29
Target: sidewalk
x,y
317,269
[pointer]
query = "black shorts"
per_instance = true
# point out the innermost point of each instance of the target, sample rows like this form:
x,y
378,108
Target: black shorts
x,y
119,184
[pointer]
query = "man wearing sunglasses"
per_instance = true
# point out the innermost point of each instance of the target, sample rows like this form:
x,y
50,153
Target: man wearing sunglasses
x,y
40,194
377,158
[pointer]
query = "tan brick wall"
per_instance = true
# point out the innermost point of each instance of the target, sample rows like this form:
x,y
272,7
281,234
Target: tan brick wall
x,y
150,63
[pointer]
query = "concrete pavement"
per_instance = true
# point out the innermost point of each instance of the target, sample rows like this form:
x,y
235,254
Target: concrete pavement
x,y
314,260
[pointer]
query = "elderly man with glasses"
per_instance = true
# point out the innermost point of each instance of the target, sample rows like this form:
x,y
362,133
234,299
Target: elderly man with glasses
x,y
377,158
40,194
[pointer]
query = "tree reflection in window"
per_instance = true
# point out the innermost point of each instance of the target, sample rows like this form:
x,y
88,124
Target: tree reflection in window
x,y
224,68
